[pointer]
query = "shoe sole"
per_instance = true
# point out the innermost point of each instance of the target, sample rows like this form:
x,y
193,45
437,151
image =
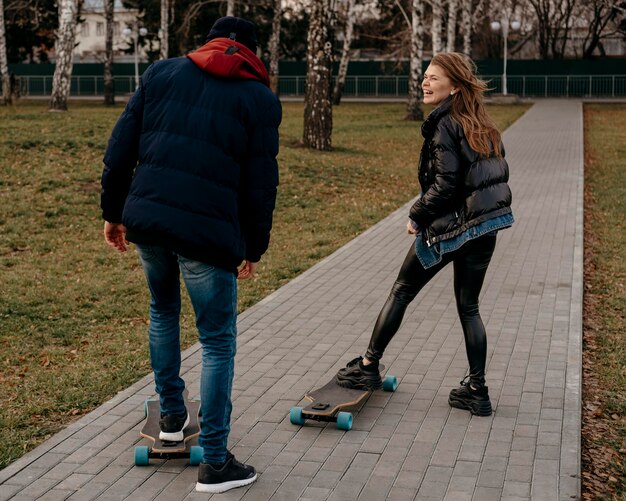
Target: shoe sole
x,y
362,384
476,408
224,486
177,436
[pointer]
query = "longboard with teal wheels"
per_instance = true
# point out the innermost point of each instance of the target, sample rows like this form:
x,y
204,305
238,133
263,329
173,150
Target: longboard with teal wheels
x,y
165,449
329,403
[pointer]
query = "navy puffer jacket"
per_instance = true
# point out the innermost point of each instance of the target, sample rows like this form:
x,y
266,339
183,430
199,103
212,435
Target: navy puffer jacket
x,y
191,163
460,188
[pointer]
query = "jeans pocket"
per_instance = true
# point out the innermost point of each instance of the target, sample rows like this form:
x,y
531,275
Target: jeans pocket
x,y
146,252
193,266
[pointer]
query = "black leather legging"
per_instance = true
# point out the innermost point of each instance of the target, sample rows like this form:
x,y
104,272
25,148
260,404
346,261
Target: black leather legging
x,y
470,266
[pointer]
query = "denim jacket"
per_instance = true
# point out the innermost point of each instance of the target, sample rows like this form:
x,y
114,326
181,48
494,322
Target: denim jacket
x,y
430,255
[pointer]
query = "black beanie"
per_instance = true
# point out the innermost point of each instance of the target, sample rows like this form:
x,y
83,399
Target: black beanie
x,y
235,28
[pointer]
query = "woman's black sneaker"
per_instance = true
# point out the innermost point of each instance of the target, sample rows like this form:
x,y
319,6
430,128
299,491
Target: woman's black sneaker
x,y
172,427
471,397
358,376
231,474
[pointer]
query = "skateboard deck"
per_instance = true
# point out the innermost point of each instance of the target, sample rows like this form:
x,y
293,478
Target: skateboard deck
x,y
166,449
329,402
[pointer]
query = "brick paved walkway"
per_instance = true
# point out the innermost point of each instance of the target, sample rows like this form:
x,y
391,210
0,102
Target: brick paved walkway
x,y
405,445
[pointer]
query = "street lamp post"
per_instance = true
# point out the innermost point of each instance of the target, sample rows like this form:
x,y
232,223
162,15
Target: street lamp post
x,y
135,33
504,24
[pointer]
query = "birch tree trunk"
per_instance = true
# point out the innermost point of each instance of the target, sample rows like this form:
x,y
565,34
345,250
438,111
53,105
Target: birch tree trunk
x,y
453,7
165,26
345,53
470,17
64,48
466,26
414,109
230,8
435,29
109,89
7,95
318,111
274,44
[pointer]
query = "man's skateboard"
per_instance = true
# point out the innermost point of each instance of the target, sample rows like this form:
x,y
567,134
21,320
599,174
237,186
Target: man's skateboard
x,y
329,401
165,449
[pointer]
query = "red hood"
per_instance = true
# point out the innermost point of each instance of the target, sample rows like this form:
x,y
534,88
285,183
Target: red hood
x,y
219,59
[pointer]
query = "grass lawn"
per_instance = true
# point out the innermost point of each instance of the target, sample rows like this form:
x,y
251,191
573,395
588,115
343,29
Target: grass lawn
x,y
604,358
73,312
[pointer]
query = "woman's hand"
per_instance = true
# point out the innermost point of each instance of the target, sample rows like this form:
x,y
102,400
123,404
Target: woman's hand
x,y
411,227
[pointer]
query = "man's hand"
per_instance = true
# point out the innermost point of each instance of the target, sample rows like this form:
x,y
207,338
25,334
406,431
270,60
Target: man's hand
x,y
247,270
115,236
410,228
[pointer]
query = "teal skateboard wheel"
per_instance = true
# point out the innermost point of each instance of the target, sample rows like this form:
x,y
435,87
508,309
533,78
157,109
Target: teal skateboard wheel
x,y
344,421
195,455
295,416
142,455
390,383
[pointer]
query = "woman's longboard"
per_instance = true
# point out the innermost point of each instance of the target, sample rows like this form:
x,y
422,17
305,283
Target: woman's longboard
x,y
166,449
329,402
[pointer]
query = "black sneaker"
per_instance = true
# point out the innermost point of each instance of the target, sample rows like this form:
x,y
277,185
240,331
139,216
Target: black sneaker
x,y
358,376
173,426
471,397
232,474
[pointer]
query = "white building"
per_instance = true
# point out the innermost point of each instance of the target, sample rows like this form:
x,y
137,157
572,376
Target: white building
x,y
90,34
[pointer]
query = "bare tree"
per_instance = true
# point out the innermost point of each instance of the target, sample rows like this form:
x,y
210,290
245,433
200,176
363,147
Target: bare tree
x,y
318,110
414,109
436,25
466,26
453,8
345,52
554,22
230,8
603,17
109,87
64,48
274,44
7,95
470,17
164,31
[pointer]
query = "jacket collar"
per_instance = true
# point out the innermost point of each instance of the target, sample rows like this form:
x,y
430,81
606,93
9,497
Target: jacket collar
x,y
430,124
226,58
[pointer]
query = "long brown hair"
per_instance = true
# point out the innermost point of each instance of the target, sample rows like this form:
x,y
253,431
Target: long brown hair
x,y
467,103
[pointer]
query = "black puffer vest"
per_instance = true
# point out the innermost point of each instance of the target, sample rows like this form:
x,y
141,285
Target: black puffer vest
x,y
460,188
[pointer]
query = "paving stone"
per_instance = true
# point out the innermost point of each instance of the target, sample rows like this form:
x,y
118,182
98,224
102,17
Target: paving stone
x,y
36,489
487,494
88,492
6,491
55,495
315,494
74,481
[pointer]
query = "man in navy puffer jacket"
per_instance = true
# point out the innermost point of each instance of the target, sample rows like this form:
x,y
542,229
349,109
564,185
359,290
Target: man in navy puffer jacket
x,y
190,176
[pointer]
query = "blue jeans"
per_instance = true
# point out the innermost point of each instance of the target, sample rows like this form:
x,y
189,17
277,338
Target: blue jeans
x,y
213,293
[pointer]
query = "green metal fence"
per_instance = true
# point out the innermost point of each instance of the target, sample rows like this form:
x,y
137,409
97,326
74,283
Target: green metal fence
x,y
524,86
367,85
81,85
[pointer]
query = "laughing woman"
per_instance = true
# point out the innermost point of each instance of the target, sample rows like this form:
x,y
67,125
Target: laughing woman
x,y
464,201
